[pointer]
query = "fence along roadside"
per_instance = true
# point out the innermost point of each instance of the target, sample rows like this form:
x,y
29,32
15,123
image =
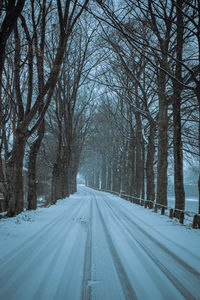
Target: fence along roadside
x,y
189,217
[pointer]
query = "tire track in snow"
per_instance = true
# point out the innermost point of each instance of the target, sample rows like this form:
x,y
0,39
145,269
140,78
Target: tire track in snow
x,y
31,240
29,258
128,290
142,261
160,245
101,279
66,280
155,230
187,268
63,241
87,269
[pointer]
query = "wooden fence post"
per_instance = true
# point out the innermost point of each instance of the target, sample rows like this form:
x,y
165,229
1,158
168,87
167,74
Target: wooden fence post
x,y
171,213
181,219
150,205
195,222
198,221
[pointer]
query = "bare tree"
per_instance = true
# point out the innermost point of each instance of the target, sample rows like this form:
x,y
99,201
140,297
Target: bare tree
x,y
30,114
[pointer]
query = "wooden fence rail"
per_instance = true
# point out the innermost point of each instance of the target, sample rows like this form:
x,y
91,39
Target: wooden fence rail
x,y
192,218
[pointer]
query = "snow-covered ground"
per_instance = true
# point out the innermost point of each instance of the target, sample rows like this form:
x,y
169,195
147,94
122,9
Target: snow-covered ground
x,y
94,245
191,203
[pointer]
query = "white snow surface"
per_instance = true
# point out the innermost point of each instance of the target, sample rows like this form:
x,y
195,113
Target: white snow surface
x,y
94,245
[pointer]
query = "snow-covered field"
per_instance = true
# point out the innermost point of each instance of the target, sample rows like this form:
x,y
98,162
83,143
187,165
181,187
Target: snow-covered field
x,y
191,203
94,245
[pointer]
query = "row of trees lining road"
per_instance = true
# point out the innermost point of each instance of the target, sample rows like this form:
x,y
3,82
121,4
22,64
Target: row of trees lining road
x,y
139,63
153,72
32,59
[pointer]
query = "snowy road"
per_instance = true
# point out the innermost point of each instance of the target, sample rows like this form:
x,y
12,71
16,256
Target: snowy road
x,y
99,247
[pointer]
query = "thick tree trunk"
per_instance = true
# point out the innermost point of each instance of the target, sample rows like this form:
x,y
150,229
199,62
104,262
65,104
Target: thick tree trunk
x,y
14,175
55,175
132,160
72,179
125,169
96,180
56,183
74,182
4,199
32,186
199,156
150,163
116,183
199,192
12,13
60,176
138,172
66,182
178,156
74,187
109,176
103,173
177,135
197,91
143,170
162,165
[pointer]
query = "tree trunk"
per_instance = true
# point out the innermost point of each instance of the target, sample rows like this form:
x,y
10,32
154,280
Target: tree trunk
x,y
178,156
162,165
14,174
96,179
177,135
115,178
74,183
12,13
72,179
56,183
138,174
150,163
4,199
143,171
197,91
32,186
132,159
108,182
55,174
124,169
103,173
65,184
58,171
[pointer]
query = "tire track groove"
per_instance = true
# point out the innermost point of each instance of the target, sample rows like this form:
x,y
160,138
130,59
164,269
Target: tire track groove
x,y
128,290
161,266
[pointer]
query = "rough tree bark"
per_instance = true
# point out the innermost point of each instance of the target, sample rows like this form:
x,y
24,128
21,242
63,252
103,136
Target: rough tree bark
x,y
132,161
103,172
116,182
177,130
150,162
108,181
162,165
197,91
13,11
14,174
34,149
138,171
32,186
